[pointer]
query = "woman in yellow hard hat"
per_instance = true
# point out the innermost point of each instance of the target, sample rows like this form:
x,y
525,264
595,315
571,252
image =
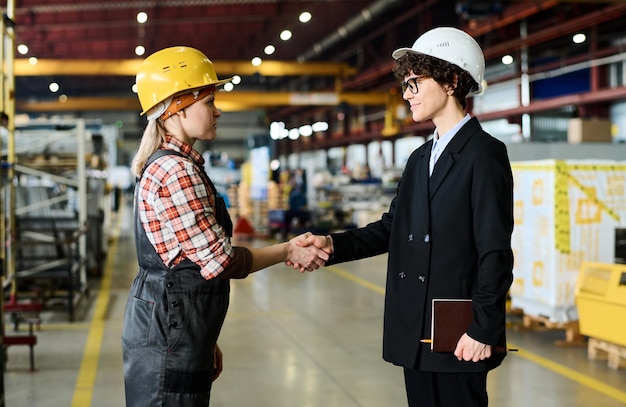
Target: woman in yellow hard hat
x,y
178,301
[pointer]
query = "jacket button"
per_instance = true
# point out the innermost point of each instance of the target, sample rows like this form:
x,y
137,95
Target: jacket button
x,y
174,304
411,237
426,238
422,278
402,274
170,284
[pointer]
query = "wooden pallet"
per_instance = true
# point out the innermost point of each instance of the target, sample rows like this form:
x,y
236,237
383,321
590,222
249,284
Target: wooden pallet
x,y
601,350
571,328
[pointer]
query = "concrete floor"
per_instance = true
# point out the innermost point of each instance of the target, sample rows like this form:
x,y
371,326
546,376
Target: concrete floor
x,y
290,339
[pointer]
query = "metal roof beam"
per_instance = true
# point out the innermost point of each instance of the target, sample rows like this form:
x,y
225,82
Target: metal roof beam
x,y
129,67
226,101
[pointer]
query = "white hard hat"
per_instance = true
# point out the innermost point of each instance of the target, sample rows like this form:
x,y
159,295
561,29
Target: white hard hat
x,y
452,45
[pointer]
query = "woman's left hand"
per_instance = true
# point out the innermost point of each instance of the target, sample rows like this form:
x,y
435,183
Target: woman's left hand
x,y
469,349
217,362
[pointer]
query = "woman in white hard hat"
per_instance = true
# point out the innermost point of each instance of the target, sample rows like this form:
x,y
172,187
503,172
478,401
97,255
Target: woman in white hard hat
x,y
447,231
178,301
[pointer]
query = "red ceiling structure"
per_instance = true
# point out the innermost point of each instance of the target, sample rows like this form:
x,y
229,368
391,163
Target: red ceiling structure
x,y
360,33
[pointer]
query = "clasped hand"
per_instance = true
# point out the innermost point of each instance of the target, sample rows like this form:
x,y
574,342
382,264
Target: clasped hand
x,y
469,349
308,252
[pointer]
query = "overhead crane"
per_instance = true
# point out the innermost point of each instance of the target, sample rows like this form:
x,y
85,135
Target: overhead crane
x,y
228,101
129,67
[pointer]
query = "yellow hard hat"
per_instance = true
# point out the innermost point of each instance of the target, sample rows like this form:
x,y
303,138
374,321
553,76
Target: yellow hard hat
x,y
171,71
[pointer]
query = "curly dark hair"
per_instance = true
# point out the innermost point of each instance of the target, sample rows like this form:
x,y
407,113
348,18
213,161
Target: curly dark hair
x,y
443,72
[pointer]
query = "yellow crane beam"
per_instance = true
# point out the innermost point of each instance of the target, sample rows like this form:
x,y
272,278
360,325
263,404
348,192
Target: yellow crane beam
x,y
226,101
128,67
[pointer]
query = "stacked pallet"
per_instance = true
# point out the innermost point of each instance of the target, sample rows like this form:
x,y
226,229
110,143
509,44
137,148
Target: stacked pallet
x,y
571,328
601,350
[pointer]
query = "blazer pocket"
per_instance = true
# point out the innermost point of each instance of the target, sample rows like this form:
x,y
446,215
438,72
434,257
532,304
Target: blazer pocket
x,y
137,321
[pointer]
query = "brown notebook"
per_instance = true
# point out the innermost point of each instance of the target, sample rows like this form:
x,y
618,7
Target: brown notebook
x,y
450,320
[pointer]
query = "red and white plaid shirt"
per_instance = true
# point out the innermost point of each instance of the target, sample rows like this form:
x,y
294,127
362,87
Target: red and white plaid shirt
x,y
177,211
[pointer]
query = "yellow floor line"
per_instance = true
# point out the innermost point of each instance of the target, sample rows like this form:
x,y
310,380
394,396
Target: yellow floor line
x,y
571,374
85,382
364,283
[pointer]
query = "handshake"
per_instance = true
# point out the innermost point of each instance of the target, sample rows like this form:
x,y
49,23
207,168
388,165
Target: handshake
x,y
308,252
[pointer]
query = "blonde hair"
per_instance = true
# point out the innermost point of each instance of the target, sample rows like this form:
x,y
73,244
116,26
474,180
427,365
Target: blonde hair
x,y
153,137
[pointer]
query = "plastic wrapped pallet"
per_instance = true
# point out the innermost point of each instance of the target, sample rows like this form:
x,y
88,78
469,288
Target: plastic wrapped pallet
x,y
566,212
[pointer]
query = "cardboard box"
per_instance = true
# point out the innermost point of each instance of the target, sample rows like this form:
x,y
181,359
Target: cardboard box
x,y
589,130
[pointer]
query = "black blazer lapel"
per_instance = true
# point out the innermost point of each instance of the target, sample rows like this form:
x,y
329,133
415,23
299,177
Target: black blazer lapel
x,y
442,167
446,160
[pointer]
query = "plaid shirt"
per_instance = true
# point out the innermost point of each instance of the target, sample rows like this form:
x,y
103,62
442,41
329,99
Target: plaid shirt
x,y
177,210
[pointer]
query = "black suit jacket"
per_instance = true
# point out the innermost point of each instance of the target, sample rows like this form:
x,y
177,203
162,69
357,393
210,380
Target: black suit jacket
x,y
448,236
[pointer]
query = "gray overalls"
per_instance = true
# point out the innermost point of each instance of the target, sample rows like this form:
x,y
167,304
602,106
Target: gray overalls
x,y
172,320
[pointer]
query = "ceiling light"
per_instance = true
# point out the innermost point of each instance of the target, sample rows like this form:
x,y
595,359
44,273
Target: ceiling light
x,y
142,17
62,98
320,126
579,38
306,130
236,79
256,61
305,17
140,50
269,50
294,134
507,60
54,87
33,61
276,129
285,35
134,88
228,86
22,49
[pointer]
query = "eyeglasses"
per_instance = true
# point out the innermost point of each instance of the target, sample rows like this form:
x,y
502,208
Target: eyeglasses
x,y
411,84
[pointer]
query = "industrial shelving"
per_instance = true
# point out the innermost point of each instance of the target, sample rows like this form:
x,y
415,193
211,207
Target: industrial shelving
x,y
47,250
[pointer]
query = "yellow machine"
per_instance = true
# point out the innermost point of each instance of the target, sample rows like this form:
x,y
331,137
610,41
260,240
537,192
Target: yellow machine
x,y
601,301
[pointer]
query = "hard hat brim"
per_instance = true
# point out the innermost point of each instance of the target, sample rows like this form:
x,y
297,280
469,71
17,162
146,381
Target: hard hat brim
x,y
222,82
400,52
216,84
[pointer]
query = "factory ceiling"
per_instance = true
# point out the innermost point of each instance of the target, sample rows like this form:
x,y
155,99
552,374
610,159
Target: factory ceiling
x,y
88,47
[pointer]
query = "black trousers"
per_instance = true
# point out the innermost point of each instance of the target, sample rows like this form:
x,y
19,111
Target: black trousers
x,y
429,389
